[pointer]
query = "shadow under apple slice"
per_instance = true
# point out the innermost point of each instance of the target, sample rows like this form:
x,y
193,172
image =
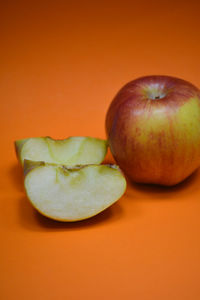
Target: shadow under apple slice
x,y
16,176
31,219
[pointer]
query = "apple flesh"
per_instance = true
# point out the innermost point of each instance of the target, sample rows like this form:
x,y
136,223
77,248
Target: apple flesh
x,y
70,151
153,129
74,193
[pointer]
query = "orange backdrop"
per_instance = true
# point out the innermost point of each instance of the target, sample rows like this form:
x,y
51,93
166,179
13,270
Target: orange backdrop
x,y
62,62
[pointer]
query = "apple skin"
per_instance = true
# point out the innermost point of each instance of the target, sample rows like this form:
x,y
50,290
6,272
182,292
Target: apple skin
x,y
153,129
18,146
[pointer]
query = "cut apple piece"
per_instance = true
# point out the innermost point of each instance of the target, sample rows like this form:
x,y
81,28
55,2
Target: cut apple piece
x,y
70,151
72,193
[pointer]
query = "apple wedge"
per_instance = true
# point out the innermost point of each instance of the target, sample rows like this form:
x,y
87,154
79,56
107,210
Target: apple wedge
x,y
70,151
74,193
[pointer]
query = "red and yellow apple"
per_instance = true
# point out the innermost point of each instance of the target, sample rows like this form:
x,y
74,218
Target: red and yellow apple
x,y
153,129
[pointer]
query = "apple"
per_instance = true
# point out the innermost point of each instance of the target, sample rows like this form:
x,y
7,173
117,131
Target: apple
x,y
72,193
71,151
153,129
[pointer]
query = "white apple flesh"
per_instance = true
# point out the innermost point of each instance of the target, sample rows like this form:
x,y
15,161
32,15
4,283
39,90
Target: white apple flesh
x,y
75,193
70,151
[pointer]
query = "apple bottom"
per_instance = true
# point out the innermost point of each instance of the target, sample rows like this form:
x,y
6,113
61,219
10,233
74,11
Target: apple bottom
x,y
158,171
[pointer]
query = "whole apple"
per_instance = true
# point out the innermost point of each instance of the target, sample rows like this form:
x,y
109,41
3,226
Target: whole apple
x,y
153,129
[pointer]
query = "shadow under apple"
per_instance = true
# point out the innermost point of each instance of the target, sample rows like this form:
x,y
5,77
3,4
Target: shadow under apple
x,y
164,192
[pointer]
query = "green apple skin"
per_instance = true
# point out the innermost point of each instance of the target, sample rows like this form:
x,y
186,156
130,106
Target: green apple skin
x,y
18,146
30,165
153,129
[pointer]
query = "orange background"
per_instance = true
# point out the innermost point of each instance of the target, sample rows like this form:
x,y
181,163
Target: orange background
x,y
62,62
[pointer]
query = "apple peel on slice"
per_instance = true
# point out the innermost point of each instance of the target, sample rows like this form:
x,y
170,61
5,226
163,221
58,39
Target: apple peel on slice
x,y
71,151
69,194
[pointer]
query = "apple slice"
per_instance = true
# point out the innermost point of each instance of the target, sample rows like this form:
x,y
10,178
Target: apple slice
x,y
72,193
70,151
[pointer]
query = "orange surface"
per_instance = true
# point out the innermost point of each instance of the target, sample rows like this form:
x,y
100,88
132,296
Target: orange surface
x,y
62,62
